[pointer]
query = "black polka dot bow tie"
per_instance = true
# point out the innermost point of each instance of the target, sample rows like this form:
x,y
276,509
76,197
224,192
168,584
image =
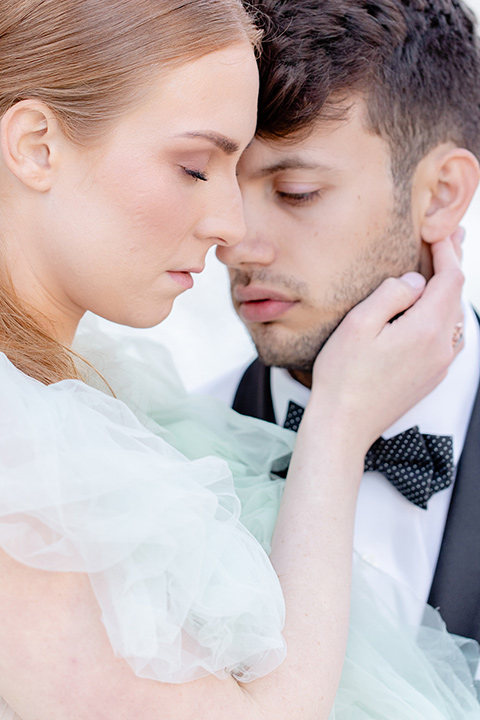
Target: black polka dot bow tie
x,y
417,465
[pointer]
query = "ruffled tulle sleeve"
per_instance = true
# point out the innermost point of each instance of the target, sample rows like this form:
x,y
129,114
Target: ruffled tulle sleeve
x,y
185,590
142,374
401,662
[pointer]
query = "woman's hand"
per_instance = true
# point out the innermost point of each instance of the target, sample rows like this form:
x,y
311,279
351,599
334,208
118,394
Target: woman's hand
x,y
373,369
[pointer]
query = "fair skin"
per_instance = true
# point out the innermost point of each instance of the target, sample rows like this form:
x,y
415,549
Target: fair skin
x,y
116,230
143,216
324,230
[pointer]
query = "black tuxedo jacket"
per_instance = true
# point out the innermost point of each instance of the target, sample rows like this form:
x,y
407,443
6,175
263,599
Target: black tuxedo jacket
x,y
455,589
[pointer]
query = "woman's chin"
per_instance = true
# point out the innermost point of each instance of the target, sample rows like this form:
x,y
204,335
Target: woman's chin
x,y
141,320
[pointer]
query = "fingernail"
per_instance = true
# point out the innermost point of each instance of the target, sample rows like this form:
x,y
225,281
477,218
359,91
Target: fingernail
x,y
415,280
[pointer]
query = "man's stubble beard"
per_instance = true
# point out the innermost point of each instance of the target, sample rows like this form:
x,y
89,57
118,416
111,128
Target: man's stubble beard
x,y
396,252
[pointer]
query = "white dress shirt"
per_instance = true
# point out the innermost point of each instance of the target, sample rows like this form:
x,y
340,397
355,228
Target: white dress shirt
x,y
390,532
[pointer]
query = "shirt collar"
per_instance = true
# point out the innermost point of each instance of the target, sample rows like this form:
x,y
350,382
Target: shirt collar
x,y
445,411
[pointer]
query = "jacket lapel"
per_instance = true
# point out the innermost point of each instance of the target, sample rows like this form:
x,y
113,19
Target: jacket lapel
x,y
456,585
455,589
253,396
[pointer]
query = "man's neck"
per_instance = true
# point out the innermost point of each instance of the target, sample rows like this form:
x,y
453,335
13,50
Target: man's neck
x,y
303,377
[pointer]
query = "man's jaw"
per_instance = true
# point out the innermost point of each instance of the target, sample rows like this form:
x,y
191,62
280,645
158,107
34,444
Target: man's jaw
x,y
284,345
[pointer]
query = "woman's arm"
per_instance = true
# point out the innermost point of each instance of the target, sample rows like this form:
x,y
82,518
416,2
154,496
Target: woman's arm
x,y
349,408
56,662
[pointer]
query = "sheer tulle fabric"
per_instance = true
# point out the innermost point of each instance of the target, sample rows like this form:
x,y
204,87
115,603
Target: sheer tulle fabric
x,y
401,664
185,590
137,501
6,713
396,668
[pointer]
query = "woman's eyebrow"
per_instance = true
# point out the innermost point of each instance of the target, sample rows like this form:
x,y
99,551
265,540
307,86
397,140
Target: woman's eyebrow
x,y
228,146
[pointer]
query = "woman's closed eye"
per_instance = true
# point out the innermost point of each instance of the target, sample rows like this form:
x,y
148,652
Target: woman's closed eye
x,y
196,174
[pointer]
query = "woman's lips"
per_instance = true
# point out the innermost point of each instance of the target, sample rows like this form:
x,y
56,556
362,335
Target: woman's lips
x,y
184,279
259,306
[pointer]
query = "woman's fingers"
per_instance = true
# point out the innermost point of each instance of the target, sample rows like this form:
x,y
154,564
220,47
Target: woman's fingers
x,y
376,369
457,237
435,321
445,254
391,298
417,302
440,303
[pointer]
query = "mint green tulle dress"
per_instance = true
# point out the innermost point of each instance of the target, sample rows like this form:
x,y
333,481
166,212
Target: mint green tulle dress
x,y
169,502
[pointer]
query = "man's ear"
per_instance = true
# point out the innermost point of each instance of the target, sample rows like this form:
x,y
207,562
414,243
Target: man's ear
x,y
449,177
29,132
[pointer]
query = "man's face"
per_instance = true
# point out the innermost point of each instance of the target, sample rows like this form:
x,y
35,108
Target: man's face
x,y
324,228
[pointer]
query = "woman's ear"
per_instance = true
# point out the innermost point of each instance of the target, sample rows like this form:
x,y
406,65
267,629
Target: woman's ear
x,y
450,176
28,133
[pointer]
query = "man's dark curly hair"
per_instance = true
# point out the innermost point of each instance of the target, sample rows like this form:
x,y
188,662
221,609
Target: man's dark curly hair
x,y
416,63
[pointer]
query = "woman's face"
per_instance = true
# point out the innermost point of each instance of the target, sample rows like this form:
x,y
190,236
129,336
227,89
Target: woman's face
x,y
125,224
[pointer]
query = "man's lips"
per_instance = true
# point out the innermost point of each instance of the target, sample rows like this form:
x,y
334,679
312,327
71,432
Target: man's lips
x,y
259,305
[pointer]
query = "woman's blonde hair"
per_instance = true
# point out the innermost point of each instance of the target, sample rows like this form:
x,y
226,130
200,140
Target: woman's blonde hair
x,y
89,61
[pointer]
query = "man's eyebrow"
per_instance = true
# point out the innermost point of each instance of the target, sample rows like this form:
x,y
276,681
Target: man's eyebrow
x,y
230,147
293,163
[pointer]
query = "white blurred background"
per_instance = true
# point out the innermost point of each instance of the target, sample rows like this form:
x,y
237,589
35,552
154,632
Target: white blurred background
x,y
206,338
